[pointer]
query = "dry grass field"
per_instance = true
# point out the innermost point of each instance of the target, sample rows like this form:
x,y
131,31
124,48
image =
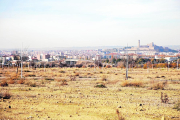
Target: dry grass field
x,y
90,94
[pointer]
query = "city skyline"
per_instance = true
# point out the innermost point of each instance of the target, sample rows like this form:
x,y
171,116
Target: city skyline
x,y
42,24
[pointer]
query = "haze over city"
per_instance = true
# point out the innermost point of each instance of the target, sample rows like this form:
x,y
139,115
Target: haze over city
x,y
80,23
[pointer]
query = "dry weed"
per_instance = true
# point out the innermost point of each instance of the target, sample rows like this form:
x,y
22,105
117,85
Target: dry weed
x,y
11,81
135,83
3,83
21,81
5,95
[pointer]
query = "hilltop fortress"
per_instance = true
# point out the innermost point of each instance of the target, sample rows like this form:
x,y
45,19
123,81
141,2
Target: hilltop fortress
x,y
150,47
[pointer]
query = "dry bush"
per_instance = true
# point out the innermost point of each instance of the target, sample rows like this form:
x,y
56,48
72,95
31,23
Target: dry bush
x,y
145,66
157,85
64,82
33,84
30,75
177,106
49,79
101,72
104,78
83,66
164,98
72,77
5,95
119,116
20,81
14,76
108,66
27,71
121,64
62,71
76,74
89,73
11,81
27,82
136,83
3,83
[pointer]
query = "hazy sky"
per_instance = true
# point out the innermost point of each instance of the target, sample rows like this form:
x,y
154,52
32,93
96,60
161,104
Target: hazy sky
x,y
67,23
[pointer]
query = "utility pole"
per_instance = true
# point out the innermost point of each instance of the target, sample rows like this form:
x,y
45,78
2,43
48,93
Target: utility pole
x,y
94,64
127,67
168,65
44,67
177,63
21,60
2,60
98,64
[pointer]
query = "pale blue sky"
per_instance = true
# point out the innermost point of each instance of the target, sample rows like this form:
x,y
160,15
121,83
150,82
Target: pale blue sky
x,y
67,23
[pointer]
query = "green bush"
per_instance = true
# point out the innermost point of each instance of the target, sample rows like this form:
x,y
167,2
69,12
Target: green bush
x,y
49,79
177,106
100,86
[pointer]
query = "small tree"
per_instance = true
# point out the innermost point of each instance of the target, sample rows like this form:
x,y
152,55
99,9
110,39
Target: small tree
x,y
145,66
113,60
107,60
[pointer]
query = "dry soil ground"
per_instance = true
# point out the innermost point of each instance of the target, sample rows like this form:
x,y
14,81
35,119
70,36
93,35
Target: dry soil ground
x,y
54,93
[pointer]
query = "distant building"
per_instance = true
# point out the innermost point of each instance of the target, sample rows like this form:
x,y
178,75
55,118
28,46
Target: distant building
x,y
71,61
98,57
171,58
112,55
47,56
148,48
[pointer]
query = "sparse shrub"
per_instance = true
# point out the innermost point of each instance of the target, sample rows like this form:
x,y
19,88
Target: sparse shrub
x,y
119,116
124,83
158,85
49,79
3,83
108,66
5,95
72,78
33,84
30,75
88,73
148,77
11,81
177,106
157,77
64,82
145,66
21,81
100,86
129,77
121,64
14,76
62,71
164,99
27,82
27,71
83,66
104,78
135,83
76,74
